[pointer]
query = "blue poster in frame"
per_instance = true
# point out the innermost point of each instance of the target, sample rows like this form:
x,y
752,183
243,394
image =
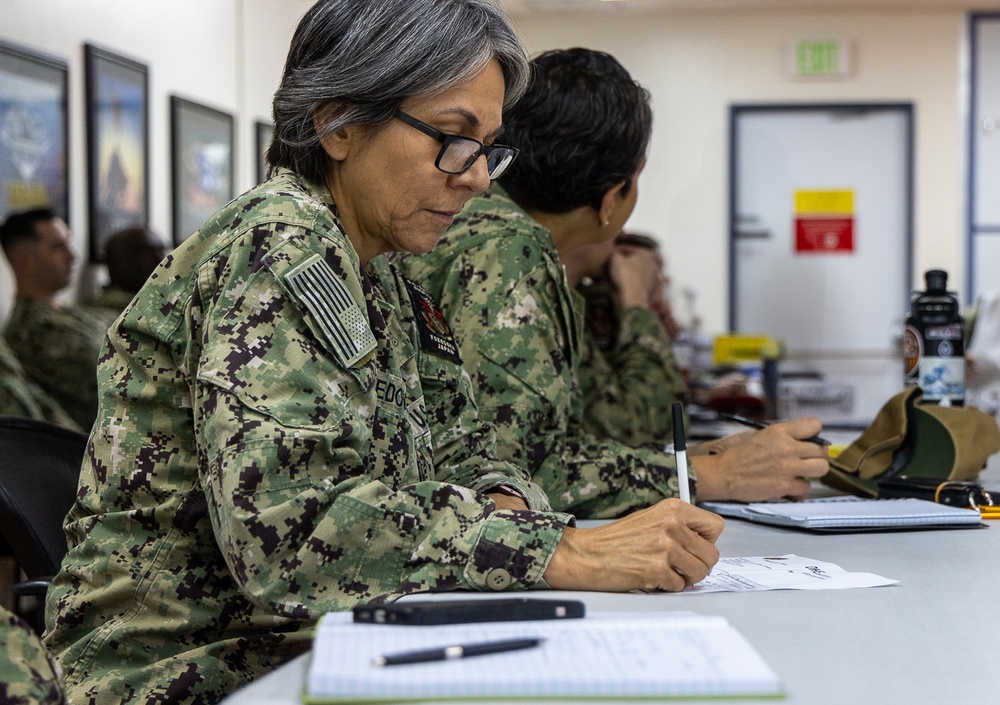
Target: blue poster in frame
x,y
117,101
33,131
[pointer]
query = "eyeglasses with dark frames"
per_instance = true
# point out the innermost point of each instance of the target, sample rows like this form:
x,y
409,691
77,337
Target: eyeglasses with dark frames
x,y
458,154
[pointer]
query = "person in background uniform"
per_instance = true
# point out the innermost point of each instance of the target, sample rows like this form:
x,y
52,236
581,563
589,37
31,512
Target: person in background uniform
x,y
285,426
131,256
628,375
583,130
28,675
20,396
56,344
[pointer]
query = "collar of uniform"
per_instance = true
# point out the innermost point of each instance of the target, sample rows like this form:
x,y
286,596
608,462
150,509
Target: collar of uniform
x,y
498,205
321,194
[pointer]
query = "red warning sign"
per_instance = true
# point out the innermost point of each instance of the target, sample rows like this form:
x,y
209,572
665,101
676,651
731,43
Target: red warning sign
x,y
824,234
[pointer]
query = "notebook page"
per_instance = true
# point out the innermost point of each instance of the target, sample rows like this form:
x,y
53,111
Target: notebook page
x,y
601,655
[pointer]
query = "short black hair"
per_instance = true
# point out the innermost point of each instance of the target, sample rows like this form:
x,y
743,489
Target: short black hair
x,y
20,226
637,240
583,126
132,255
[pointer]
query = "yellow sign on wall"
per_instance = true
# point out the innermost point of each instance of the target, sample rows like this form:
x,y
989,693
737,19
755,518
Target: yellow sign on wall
x,y
837,202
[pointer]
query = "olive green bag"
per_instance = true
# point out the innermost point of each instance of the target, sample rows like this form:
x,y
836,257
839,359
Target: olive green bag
x,y
912,440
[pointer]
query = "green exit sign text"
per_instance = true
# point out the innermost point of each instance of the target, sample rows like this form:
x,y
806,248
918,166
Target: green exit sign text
x,y
827,58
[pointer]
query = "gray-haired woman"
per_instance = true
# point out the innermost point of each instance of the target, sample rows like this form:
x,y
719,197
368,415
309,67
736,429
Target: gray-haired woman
x,y
285,428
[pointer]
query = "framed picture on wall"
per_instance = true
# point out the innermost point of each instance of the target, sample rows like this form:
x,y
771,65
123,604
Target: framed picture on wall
x,y
117,105
201,163
265,131
34,135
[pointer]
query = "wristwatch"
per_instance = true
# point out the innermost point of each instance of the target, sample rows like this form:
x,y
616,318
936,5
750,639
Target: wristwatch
x,y
509,491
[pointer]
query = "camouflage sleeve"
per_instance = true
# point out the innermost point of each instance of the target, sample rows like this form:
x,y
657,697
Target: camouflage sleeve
x,y
628,390
28,676
58,350
515,336
464,446
20,396
308,520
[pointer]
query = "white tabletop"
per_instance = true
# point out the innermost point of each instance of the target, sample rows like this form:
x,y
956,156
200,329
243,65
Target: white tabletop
x,y
931,639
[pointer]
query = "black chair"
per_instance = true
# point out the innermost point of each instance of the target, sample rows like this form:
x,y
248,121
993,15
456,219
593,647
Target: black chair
x,y
39,472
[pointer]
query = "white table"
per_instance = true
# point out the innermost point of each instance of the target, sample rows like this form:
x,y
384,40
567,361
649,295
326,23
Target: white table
x,y
930,640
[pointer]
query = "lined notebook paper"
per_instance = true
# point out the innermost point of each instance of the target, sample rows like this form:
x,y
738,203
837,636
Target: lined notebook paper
x,y
608,655
849,513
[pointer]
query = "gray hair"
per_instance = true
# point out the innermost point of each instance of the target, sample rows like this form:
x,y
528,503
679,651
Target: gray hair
x,y
363,58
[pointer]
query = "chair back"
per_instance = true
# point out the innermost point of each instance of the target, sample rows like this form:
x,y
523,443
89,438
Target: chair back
x,y
39,472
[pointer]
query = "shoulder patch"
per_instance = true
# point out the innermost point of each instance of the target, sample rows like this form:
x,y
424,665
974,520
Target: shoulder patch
x,y
435,334
341,320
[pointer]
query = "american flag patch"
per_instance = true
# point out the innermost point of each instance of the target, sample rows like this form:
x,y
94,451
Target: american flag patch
x,y
340,319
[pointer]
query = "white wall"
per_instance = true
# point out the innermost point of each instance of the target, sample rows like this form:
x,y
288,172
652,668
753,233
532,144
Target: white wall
x,y
229,54
697,65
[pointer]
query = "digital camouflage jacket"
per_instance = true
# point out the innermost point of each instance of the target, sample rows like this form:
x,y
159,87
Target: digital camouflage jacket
x,y
20,396
282,433
28,676
498,278
628,375
58,349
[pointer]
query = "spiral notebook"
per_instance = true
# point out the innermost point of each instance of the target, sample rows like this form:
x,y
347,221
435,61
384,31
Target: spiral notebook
x,y
850,514
604,655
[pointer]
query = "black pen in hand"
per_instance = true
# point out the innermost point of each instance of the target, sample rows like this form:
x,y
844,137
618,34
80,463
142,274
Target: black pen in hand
x,y
444,653
761,424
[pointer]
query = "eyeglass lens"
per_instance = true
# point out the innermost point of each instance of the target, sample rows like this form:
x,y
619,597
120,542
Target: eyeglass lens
x,y
460,153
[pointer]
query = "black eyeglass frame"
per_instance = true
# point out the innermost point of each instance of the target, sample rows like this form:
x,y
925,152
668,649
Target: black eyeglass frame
x,y
447,140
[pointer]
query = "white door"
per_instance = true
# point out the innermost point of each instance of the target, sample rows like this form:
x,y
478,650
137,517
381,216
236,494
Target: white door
x,y
821,217
984,226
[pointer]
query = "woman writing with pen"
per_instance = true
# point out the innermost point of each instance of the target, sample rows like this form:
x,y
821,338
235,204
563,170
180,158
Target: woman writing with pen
x,y
285,426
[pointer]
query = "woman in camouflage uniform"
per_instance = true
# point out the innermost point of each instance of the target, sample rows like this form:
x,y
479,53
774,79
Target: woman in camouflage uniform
x,y
285,428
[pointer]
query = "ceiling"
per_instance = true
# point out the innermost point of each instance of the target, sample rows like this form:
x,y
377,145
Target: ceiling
x,y
527,8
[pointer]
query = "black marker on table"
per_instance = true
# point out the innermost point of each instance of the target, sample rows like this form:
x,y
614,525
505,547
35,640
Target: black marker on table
x,y
761,424
445,653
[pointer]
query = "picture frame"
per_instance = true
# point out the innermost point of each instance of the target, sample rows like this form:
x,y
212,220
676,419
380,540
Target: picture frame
x,y
34,131
264,131
202,163
117,107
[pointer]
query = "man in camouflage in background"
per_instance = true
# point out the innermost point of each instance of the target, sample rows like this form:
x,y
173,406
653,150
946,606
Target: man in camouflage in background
x,y
28,675
628,375
56,344
20,396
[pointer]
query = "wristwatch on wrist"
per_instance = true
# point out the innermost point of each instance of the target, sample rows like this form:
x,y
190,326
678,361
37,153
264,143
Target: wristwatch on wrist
x,y
509,491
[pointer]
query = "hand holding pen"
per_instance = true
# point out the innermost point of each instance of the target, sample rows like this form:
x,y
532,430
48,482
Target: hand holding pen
x,y
777,461
752,423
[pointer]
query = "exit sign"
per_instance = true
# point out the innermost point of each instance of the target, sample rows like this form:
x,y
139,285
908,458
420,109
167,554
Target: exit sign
x,y
819,58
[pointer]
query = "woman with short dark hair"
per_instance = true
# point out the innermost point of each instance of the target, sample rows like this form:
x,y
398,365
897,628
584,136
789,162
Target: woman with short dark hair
x,y
583,129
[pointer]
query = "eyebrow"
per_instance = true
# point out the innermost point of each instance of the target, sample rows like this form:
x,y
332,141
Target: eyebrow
x,y
472,119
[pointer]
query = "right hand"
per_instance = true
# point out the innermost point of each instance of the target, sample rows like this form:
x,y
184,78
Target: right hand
x,y
668,546
755,466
